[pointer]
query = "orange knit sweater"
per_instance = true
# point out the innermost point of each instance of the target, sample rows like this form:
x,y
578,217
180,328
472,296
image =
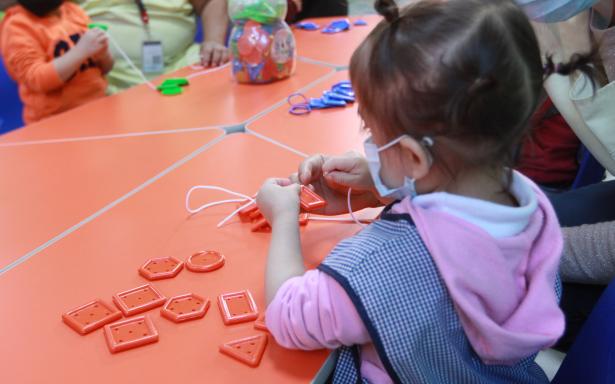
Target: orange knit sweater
x,y
29,44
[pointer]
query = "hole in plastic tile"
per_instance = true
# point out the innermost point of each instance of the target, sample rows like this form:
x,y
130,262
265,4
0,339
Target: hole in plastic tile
x,y
94,315
237,307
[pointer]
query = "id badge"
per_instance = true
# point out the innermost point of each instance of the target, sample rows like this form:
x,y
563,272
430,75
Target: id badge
x,y
153,58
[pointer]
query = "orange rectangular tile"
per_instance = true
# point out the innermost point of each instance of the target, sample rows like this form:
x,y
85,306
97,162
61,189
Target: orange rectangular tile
x,y
331,131
335,49
213,99
48,188
102,258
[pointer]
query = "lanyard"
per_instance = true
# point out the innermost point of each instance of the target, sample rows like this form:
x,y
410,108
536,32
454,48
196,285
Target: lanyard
x,y
143,12
144,17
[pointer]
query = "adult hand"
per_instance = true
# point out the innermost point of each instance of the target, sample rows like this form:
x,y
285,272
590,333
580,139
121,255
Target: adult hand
x,y
332,176
213,54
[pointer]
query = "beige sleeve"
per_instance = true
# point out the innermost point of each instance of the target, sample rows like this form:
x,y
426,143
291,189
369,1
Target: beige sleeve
x,y
589,254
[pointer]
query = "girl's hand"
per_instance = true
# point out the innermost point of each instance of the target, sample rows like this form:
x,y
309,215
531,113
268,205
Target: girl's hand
x,y
279,198
331,176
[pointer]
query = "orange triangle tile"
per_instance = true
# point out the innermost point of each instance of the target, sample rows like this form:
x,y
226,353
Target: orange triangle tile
x,y
248,350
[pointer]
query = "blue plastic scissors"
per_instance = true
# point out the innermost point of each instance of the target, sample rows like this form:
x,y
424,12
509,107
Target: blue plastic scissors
x,y
340,95
337,26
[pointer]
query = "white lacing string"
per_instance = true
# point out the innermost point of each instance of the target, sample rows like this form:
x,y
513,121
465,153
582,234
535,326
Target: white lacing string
x,y
220,202
130,63
350,209
144,78
201,73
250,200
352,217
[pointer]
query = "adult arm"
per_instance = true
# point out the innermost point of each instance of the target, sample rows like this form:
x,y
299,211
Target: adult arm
x,y
213,14
589,253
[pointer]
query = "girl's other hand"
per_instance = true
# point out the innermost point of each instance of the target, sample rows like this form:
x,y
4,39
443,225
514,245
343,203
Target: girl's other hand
x,y
332,176
279,198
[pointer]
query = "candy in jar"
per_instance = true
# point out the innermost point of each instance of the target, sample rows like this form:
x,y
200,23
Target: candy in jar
x,y
262,44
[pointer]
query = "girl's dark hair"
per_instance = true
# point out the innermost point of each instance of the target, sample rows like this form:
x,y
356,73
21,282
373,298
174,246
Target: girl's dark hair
x,y
40,8
467,72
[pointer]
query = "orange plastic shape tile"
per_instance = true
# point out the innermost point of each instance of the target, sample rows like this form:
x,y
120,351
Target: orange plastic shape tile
x,y
185,307
304,219
310,200
237,307
130,333
246,213
205,261
248,350
261,225
161,268
91,316
138,300
260,325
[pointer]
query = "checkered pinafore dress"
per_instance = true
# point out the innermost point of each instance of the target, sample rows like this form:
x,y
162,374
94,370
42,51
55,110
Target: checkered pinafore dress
x,y
389,275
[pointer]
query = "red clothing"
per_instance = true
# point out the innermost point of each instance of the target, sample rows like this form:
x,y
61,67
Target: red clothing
x,y
550,155
29,44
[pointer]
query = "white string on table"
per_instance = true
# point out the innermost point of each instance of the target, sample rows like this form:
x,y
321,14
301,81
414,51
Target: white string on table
x,y
249,200
206,71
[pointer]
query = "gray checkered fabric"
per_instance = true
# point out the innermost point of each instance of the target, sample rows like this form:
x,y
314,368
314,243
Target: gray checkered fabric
x,y
393,282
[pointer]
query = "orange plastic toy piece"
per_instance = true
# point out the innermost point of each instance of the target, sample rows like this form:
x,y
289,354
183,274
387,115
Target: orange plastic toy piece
x,y
91,316
310,200
185,307
246,214
205,261
304,219
261,225
161,268
251,214
237,307
260,325
248,350
138,300
130,333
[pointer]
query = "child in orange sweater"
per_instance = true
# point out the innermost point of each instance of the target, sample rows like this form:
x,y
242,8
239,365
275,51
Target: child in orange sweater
x,y
58,63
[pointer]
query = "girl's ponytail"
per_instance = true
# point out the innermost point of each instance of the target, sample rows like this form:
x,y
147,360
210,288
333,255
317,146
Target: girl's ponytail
x,y
388,9
578,62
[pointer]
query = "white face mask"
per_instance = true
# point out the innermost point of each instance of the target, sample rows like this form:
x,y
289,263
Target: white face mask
x,y
552,11
372,154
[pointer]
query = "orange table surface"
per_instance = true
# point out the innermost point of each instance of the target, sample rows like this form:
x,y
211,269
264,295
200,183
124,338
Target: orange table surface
x,y
213,99
48,188
102,258
330,131
334,49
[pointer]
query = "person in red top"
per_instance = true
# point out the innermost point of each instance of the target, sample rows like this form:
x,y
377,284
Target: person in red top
x,y
57,61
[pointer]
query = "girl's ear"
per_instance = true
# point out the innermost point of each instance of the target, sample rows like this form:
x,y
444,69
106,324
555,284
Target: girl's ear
x,y
416,156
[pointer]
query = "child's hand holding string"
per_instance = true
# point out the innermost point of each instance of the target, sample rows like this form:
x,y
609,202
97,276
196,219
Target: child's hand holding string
x,y
332,176
278,199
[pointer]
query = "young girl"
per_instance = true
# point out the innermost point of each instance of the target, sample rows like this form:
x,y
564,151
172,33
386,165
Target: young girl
x,y
456,282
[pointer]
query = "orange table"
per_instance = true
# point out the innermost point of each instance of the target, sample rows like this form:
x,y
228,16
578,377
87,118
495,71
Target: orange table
x,y
335,49
213,99
102,258
46,189
332,131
